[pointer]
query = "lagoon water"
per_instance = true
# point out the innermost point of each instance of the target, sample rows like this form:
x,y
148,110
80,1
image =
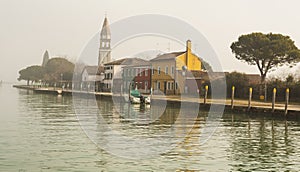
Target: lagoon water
x,y
41,132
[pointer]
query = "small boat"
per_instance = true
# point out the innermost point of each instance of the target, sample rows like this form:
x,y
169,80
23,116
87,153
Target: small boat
x,y
136,98
59,91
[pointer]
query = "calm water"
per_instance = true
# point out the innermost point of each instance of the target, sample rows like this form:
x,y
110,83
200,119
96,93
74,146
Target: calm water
x,y
40,132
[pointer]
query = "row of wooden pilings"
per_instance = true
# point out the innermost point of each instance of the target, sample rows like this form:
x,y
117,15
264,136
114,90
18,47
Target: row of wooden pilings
x,y
287,95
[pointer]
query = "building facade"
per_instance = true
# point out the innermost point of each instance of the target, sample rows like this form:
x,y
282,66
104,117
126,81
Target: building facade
x,y
137,77
91,78
112,73
170,72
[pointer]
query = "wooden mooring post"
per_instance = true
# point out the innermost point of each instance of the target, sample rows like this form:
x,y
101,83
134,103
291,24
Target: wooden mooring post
x,y
232,97
287,96
250,99
273,99
205,94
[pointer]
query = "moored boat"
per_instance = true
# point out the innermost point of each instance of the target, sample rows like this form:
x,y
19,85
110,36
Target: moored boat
x,y
137,98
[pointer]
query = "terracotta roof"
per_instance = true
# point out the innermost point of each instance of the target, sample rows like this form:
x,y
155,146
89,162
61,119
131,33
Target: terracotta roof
x,y
197,74
116,62
128,62
168,56
139,63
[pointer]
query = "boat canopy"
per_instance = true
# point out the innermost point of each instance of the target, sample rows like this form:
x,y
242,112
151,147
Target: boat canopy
x,y
135,93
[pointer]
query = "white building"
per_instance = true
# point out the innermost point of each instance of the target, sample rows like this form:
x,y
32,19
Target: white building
x,y
92,78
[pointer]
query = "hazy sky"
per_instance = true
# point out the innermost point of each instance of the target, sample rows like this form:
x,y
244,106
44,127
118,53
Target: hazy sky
x,y
63,27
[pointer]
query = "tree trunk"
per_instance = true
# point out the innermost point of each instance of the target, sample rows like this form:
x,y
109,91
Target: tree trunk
x,y
262,87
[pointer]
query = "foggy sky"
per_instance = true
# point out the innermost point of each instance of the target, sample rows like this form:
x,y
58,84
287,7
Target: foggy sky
x,y
63,27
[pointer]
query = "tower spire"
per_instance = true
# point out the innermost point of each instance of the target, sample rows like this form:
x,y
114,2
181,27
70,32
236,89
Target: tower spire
x,y
105,40
45,58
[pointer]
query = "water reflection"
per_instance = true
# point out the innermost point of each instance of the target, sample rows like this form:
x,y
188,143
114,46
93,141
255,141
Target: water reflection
x,y
41,132
265,144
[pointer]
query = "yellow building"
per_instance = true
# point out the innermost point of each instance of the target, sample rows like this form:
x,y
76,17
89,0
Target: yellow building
x,y
169,71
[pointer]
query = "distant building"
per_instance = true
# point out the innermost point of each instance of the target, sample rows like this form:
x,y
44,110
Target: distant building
x,y
105,44
95,75
137,75
92,78
45,58
113,73
112,70
169,71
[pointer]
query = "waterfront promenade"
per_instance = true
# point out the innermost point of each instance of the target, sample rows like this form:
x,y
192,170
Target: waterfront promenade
x,y
238,105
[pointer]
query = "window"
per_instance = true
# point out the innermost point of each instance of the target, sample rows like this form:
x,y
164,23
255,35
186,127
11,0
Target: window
x,y
172,86
176,86
167,70
158,85
146,84
172,70
103,44
169,85
158,70
146,72
107,44
124,72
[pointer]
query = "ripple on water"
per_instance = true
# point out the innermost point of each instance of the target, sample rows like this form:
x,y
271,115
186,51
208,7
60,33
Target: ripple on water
x,y
42,133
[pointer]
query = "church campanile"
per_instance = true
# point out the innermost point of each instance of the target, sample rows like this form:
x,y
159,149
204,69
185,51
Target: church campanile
x,y
105,40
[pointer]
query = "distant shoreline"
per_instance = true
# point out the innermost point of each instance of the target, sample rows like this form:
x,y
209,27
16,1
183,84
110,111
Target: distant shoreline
x,y
240,106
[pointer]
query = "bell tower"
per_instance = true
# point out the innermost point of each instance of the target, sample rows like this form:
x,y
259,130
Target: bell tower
x,y
105,40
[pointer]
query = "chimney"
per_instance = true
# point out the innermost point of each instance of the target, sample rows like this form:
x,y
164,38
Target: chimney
x,y
188,51
188,46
